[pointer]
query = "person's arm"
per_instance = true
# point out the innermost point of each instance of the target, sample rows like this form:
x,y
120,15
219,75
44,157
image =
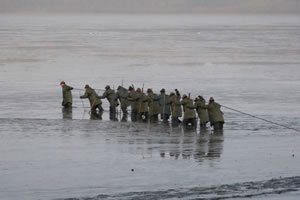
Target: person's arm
x,y
104,95
202,105
69,88
205,106
191,106
132,97
86,95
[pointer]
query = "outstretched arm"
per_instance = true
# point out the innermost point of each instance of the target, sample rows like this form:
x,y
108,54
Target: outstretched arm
x,y
69,88
86,95
104,95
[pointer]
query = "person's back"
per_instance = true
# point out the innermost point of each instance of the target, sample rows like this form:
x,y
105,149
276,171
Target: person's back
x,y
201,111
142,105
133,99
122,95
215,114
95,102
153,103
164,105
175,107
92,96
189,109
110,95
189,116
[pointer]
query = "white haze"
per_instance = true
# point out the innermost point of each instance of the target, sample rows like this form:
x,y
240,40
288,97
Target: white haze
x,y
151,6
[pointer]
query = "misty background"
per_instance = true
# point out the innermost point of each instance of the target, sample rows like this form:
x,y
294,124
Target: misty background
x,y
151,6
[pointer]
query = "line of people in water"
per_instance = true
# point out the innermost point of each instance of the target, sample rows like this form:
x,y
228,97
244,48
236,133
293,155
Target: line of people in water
x,y
150,106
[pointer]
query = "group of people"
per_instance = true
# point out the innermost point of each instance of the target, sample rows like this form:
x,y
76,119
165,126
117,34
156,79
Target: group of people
x,y
149,106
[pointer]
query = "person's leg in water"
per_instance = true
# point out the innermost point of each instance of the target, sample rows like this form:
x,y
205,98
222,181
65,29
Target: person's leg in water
x,y
133,115
68,105
112,113
175,121
218,126
100,111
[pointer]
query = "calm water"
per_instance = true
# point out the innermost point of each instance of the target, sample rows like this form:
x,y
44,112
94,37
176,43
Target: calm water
x,y
245,62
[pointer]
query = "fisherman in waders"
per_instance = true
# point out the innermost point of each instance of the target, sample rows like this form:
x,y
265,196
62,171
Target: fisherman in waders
x,y
142,112
133,98
95,102
153,103
67,95
215,114
164,105
189,117
122,95
175,107
201,111
111,97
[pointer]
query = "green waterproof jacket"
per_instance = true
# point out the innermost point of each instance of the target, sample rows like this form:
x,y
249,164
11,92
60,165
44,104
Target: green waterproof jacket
x,y
111,97
92,96
201,110
176,106
153,103
142,103
133,98
214,112
164,104
67,94
188,108
122,95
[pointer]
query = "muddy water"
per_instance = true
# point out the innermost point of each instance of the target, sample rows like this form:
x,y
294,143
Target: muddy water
x,y
248,63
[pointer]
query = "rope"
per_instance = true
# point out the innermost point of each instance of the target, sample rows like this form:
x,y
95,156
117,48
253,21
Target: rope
x,y
271,122
83,89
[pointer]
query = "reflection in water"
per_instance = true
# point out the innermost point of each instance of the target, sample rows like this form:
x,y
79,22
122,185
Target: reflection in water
x,y
175,143
208,145
67,113
190,145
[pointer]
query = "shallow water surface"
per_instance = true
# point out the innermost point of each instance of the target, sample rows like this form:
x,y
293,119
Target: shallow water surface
x,y
247,63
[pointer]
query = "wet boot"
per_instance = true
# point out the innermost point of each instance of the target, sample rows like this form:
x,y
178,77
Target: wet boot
x,y
190,123
68,106
218,126
203,124
165,117
94,115
124,117
145,116
175,121
154,118
193,123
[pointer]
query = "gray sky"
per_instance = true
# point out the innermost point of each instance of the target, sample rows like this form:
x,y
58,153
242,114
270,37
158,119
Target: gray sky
x,y
151,6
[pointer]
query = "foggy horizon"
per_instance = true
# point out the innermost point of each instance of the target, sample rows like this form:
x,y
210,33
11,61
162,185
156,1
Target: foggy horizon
x,y
151,6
